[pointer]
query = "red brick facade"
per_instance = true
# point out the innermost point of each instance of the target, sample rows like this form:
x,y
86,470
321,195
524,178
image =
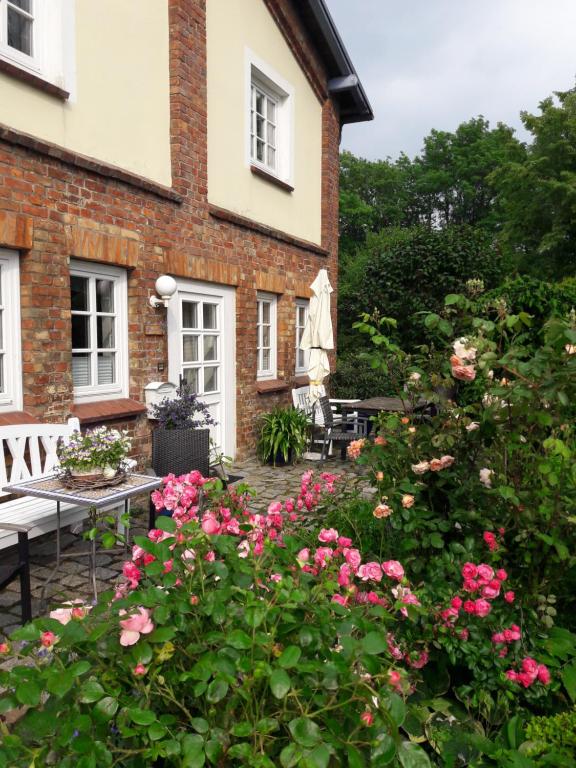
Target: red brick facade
x,y
55,206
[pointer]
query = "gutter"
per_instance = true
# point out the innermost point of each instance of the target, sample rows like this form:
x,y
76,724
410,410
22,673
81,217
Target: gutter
x,y
346,80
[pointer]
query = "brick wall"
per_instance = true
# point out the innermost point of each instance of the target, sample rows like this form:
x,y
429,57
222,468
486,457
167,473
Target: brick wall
x,y
54,206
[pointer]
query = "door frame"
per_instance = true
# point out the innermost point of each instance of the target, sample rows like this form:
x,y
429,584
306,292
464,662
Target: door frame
x,y
228,350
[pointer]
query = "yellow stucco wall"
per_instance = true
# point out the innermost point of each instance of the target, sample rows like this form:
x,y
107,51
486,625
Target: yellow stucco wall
x,y
119,111
235,30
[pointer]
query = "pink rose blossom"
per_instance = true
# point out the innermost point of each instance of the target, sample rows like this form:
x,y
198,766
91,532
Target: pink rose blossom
x,y
447,461
395,679
393,569
367,718
543,674
485,476
470,585
512,675
469,607
485,573
344,575
509,596
407,501
436,465
4,648
139,670
421,467
304,555
48,639
340,599
469,571
483,608
370,572
210,525
328,535
490,540
464,372
456,602
322,556
501,574
134,626
353,558
343,541
382,510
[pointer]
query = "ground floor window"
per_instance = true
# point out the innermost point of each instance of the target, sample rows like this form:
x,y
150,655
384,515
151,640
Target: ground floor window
x,y
302,355
266,336
99,301
10,346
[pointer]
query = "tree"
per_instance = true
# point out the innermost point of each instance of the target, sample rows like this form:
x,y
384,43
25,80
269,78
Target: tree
x,y
538,196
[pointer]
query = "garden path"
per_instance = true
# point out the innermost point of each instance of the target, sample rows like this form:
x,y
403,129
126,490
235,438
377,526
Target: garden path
x,y
269,484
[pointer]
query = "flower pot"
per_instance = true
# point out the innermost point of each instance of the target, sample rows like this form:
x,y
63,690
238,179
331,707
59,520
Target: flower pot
x,y
179,451
90,473
279,461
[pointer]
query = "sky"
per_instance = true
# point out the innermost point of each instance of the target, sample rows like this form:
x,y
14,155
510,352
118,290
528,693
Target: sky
x,y
437,63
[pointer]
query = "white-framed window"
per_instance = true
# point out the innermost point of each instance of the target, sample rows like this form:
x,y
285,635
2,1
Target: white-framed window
x,y
10,345
38,36
302,355
269,119
99,308
266,327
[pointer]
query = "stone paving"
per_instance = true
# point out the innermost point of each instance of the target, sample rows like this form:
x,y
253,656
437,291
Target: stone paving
x,y
268,483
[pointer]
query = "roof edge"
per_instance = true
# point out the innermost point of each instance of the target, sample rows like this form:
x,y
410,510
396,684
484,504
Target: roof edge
x,y
347,79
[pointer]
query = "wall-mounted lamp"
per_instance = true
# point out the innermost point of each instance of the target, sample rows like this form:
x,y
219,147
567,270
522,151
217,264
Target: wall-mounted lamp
x,y
165,287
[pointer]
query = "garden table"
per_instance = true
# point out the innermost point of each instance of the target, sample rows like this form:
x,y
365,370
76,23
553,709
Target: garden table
x,y
95,499
374,405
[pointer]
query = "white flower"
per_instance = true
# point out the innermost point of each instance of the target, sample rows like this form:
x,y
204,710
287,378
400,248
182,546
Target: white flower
x,y
420,468
464,350
415,376
472,426
486,477
571,349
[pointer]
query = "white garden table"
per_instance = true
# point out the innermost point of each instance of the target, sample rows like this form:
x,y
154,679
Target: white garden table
x,y
95,499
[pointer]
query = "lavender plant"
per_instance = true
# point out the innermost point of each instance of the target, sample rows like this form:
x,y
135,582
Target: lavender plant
x,y
185,411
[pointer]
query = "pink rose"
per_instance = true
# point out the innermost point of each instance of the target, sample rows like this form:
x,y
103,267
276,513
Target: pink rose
x,y
469,607
407,501
464,634
543,674
393,569
501,574
322,556
328,535
340,600
4,648
509,596
343,541
469,571
395,679
134,626
139,670
367,718
490,540
464,372
304,555
353,558
456,602
436,465
48,639
530,668
512,675
483,608
421,467
370,572
470,585
210,525
382,510
498,637
447,461
344,575
491,590
485,572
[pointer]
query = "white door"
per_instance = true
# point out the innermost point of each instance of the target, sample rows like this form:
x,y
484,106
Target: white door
x,y
201,350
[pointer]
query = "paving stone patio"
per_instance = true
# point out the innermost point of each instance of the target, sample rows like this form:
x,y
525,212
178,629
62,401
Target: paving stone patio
x,y
268,483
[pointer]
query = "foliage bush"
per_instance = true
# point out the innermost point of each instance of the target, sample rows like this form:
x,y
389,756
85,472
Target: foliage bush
x,y
355,379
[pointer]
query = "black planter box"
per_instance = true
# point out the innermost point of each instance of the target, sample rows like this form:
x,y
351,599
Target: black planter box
x,y
180,451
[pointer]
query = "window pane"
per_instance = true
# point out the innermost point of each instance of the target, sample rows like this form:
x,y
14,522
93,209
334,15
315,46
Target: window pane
x,y
189,314
271,111
271,135
81,370
300,362
260,150
2,330
265,359
210,347
190,376
19,32
271,159
1,279
106,367
266,336
265,311
80,332
260,103
79,293
209,316
105,326
210,379
260,127
104,296
190,349
2,373
24,4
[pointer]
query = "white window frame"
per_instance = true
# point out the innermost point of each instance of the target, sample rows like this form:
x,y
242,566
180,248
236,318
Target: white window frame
x,y
305,305
97,392
262,373
52,41
10,343
275,87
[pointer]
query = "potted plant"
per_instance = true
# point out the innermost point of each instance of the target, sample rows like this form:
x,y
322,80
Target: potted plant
x,y
97,453
181,441
283,436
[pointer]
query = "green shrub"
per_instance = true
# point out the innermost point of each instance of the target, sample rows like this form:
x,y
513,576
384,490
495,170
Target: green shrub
x,y
354,378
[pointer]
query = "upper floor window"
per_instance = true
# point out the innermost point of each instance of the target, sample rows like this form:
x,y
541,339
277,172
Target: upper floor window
x,y
302,355
10,355
269,115
266,328
37,36
98,300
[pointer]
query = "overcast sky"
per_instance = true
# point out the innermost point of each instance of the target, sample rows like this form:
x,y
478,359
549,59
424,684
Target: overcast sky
x,y
436,63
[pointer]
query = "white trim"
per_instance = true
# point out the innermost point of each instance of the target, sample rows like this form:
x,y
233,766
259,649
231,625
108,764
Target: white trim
x,y
305,305
11,398
53,42
262,374
226,395
95,392
258,71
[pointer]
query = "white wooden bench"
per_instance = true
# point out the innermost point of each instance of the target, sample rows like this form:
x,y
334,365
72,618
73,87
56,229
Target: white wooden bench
x,y
32,449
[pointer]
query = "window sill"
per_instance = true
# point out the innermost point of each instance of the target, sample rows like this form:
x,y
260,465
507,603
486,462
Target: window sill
x,y
33,80
17,417
301,380
265,386
107,410
261,173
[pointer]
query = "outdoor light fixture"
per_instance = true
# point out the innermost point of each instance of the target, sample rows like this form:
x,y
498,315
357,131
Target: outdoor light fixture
x,y
165,287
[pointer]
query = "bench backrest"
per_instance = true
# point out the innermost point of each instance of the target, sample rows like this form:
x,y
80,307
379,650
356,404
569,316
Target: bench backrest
x,y
32,449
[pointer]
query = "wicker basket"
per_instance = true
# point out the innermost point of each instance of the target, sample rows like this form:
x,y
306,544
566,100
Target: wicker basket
x,y
180,451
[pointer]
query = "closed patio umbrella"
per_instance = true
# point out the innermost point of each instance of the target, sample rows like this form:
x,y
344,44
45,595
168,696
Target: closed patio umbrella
x,y
318,335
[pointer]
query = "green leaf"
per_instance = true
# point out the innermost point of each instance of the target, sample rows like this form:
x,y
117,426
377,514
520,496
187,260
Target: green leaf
x,y
79,668
241,729
90,692
165,523
304,731
254,616
108,540
355,759
142,716
319,757
383,751
29,693
157,731
436,541
217,690
239,639
107,707
569,680
374,643
280,683
199,724
290,657
161,635
290,756
413,756
395,705
60,682
213,749
452,298
29,632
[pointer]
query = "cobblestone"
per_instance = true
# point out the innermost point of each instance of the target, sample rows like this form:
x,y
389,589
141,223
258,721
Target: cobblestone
x,y
71,582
